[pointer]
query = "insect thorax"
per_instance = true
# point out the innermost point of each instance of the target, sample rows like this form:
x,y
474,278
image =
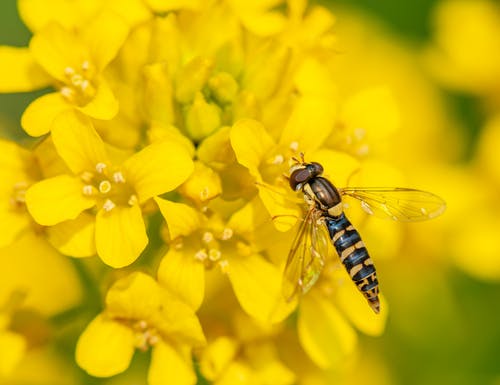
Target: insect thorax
x,y
320,192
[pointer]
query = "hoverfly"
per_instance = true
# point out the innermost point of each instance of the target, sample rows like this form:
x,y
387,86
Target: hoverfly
x,y
326,222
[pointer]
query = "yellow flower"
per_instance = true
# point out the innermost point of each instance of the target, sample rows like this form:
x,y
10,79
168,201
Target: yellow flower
x,y
117,193
140,315
246,355
74,63
202,242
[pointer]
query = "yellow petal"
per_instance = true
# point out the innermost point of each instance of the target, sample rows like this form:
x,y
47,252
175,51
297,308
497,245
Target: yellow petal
x,y
120,235
103,104
284,214
48,279
181,219
105,348
251,143
75,238
165,6
179,321
357,310
77,142
339,166
257,285
11,223
135,296
38,118
56,49
203,185
19,71
326,337
104,36
169,366
216,357
159,132
158,168
56,200
13,347
38,13
184,276
237,373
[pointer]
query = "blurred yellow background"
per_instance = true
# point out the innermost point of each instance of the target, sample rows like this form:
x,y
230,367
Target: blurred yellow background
x,y
439,62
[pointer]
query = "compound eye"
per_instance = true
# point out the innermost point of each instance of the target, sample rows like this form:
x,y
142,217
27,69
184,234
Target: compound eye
x,y
316,168
298,178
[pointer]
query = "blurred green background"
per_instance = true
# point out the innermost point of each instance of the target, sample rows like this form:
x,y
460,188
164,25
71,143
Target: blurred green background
x,y
451,334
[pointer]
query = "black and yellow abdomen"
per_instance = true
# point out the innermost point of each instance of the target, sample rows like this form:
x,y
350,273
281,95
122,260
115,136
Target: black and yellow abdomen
x,y
354,257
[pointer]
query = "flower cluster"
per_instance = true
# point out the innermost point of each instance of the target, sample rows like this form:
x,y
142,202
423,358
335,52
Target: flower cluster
x,y
153,202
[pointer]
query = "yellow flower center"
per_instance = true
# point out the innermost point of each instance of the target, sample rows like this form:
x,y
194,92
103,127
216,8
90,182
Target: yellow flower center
x,y
78,87
109,187
210,247
145,335
17,196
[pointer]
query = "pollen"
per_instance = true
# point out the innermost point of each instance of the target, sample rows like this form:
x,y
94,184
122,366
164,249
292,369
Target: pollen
x,y
201,255
108,205
104,187
294,146
88,190
118,177
227,233
69,71
67,92
100,167
132,201
207,237
278,159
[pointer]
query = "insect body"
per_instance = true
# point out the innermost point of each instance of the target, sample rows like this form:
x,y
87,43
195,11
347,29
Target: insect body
x,y
325,221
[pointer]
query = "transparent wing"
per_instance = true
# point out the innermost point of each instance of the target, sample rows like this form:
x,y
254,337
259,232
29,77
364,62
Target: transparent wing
x,y
306,257
398,204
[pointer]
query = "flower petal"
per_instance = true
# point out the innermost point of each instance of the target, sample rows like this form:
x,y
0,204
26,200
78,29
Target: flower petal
x,y
75,238
181,219
251,143
217,356
168,366
104,36
13,350
19,71
184,276
47,278
56,49
120,235
105,348
355,308
38,118
257,285
103,105
135,296
56,200
324,334
158,168
77,142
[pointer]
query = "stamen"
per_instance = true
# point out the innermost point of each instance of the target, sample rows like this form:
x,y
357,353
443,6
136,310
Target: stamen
x,y
118,177
133,200
88,190
201,255
86,176
204,193
363,150
100,167
224,264
294,146
214,254
86,65
207,237
105,187
108,205
67,92
227,233
359,133
85,84
278,159
68,71
153,340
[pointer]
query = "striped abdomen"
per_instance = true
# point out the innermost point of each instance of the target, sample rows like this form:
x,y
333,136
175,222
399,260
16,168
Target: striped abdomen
x,y
353,255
